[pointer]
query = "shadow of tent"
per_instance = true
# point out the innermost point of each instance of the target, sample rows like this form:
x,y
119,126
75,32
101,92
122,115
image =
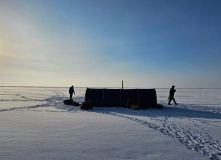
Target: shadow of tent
x,y
171,112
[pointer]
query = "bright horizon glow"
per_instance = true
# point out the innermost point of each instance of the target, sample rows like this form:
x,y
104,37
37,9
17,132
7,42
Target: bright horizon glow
x,y
100,43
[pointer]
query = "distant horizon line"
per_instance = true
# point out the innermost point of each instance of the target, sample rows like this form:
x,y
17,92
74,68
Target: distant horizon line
x,y
108,87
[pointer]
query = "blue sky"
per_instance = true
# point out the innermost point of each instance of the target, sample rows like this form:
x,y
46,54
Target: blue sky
x,y
99,43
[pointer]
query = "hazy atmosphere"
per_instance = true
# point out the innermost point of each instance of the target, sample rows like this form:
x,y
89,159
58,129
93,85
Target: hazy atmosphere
x,y
99,43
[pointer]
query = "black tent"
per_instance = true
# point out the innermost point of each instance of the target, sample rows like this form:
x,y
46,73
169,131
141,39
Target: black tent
x,y
145,98
95,95
111,97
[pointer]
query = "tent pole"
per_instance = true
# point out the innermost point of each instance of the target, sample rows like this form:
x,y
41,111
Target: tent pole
x,y
120,99
103,99
138,97
122,84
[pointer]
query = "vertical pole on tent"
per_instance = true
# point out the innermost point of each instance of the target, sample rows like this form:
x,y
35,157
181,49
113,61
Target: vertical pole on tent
x,y
122,84
138,96
103,99
120,98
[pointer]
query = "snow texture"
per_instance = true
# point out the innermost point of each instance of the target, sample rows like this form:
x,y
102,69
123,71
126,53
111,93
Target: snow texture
x,y
35,124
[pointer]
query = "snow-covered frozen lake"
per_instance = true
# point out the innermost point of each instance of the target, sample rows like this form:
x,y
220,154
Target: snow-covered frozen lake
x,y
35,124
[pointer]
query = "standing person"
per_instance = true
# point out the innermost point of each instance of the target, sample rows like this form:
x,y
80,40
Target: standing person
x,y
171,96
71,91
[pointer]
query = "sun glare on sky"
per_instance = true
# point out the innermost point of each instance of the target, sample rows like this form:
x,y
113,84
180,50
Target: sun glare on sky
x,y
100,43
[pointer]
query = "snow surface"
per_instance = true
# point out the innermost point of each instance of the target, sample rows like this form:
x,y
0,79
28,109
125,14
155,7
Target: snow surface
x,y
35,124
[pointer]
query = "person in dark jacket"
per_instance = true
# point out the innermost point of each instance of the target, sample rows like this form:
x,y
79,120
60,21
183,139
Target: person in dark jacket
x,y
171,96
71,91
